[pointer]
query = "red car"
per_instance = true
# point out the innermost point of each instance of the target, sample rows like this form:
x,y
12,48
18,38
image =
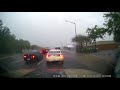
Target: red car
x,y
44,51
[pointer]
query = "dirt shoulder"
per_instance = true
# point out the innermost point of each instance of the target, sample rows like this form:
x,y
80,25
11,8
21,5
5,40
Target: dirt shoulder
x,y
98,65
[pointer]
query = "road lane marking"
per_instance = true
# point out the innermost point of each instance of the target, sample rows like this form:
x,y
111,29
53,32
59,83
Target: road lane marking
x,y
18,61
41,62
6,57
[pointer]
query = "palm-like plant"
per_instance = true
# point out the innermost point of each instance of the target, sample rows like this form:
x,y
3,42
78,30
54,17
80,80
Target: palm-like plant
x,y
80,40
94,33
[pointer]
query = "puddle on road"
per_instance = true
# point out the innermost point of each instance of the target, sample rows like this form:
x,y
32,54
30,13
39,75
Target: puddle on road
x,y
49,71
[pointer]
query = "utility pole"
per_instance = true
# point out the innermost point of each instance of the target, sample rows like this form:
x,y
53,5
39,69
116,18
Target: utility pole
x,y
75,26
75,33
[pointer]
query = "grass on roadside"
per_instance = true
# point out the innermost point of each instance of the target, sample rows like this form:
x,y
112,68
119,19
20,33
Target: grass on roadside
x,y
87,58
4,55
95,63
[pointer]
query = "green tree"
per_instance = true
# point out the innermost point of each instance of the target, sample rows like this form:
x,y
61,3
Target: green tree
x,y
80,40
94,33
112,24
27,44
35,47
4,37
9,43
24,44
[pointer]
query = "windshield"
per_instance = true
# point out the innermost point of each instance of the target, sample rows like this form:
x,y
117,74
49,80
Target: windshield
x,y
65,44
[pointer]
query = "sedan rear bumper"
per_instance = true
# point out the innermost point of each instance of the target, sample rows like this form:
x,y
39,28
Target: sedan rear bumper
x,y
53,59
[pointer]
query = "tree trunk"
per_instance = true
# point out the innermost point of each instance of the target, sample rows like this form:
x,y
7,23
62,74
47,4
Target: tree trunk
x,y
86,47
81,47
95,44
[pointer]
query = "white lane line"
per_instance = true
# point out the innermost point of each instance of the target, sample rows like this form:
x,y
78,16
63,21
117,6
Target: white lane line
x,y
6,57
18,61
41,62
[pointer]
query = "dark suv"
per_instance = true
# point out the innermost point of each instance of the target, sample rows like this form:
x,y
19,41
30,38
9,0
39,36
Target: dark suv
x,y
33,56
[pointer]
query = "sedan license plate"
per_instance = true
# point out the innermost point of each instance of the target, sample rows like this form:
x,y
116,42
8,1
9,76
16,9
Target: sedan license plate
x,y
28,59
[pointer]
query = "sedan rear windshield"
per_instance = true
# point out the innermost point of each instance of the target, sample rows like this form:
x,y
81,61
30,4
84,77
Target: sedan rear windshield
x,y
54,52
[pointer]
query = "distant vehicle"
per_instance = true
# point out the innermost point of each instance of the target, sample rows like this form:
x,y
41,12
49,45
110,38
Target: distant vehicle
x,y
33,56
47,50
44,51
57,48
54,55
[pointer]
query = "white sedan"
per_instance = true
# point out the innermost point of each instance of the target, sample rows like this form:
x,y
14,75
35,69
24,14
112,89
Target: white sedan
x,y
54,55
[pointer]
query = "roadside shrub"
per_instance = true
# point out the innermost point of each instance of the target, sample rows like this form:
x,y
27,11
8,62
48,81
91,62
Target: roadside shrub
x,y
89,50
118,53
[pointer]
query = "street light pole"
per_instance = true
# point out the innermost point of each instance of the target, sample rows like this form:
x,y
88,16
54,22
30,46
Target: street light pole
x,y
75,26
75,33
75,30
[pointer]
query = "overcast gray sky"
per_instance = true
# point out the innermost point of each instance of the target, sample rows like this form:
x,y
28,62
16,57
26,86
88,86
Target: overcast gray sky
x,y
49,29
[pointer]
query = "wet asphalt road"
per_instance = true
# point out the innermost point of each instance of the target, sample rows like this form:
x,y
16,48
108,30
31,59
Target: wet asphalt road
x,y
39,69
54,69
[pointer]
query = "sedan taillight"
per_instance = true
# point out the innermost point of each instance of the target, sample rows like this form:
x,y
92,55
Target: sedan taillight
x,y
48,55
25,56
33,56
60,55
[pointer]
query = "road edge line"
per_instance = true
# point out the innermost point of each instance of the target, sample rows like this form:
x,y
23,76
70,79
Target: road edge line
x,y
41,62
